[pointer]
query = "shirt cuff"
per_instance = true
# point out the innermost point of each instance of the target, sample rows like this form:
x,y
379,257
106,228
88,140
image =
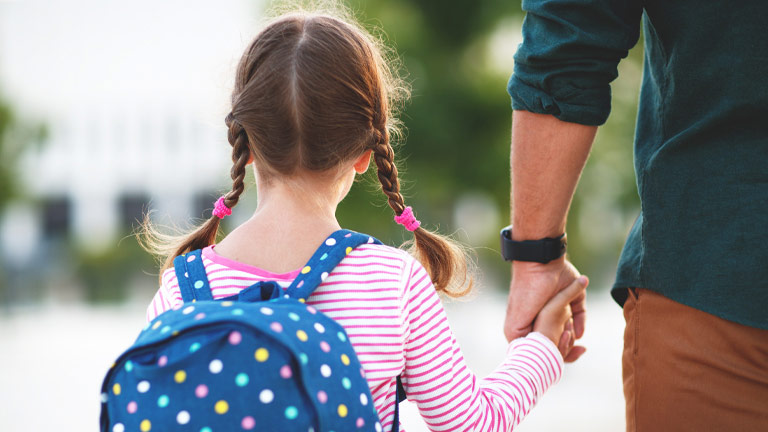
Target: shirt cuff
x,y
589,107
551,354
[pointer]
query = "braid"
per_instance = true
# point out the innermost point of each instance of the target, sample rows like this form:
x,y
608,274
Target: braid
x,y
384,157
241,153
446,262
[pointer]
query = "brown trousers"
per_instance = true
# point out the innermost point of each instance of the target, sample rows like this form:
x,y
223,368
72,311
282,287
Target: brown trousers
x,y
687,370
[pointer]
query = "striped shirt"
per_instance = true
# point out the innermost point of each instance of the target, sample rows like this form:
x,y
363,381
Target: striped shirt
x,y
385,300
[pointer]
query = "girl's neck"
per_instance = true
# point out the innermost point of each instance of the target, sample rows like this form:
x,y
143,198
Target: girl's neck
x,y
291,220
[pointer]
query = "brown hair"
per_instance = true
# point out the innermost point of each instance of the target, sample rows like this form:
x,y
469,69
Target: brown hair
x,y
312,92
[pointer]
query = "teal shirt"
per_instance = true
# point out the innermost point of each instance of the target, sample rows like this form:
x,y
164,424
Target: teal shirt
x,y
701,144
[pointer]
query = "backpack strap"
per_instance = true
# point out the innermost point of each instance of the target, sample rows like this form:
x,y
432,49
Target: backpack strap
x,y
190,274
324,260
399,397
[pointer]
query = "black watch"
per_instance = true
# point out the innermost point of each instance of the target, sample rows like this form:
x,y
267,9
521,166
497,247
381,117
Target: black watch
x,y
540,251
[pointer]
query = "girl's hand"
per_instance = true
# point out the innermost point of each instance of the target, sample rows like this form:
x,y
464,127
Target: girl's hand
x,y
555,321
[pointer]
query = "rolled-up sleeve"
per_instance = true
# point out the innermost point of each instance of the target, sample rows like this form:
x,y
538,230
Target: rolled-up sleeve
x,y
569,56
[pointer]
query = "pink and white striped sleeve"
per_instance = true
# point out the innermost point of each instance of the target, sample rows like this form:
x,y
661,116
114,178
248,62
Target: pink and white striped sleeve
x,y
449,396
167,296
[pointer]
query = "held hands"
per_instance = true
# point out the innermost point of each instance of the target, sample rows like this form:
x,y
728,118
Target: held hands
x,y
555,321
535,287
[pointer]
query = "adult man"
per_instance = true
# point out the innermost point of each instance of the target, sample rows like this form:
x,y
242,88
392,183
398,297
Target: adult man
x,y
693,275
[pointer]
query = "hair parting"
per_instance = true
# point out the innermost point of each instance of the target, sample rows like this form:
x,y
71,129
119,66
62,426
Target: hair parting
x,y
312,93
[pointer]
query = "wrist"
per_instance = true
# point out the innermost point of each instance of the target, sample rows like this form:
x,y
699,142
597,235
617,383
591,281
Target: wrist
x,y
541,250
523,232
537,277
537,267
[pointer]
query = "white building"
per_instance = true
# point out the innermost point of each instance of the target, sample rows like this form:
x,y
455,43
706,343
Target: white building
x,y
134,95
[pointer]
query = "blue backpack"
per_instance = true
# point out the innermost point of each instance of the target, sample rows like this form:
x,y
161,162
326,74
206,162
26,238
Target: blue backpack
x,y
259,360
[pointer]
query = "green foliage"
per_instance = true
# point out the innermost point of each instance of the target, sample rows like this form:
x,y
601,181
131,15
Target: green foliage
x,y
15,138
458,124
107,275
458,119
7,178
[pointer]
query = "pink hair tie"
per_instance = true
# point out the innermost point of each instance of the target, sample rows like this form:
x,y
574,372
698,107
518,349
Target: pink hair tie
x,y
220,209
408,220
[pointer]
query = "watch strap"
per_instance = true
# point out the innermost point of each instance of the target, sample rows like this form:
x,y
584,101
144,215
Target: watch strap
x,y
541,250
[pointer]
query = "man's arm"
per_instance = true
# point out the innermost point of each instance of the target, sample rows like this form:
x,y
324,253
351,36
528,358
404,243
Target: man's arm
x,y
547,158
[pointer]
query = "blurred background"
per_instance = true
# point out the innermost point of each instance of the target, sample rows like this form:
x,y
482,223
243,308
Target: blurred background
x,y
112,109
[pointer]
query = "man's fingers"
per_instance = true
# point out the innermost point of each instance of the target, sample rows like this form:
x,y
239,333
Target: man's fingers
x,y
514,329
565,341
576,352
517,324
511,332
522,309
579,309
569,293
579,322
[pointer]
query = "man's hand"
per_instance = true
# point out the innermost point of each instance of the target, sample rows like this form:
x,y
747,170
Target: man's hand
x,y
533,285
555,321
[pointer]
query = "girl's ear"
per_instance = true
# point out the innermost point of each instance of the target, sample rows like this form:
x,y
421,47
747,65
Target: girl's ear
x,y
361,164
250,158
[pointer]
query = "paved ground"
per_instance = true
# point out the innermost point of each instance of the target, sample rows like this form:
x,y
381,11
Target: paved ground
x,y
52,360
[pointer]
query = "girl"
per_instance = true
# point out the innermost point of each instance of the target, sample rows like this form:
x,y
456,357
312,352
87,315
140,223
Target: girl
x,y
311,106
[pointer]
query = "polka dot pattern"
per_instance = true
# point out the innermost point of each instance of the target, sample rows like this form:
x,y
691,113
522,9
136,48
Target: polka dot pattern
x,y
143,387
266,396
206,377
235,337
180,376
248,423
221,407
201,391
286,372
182,417
261,355
215,366
291,412
242,379
163,401
322,397
325,370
